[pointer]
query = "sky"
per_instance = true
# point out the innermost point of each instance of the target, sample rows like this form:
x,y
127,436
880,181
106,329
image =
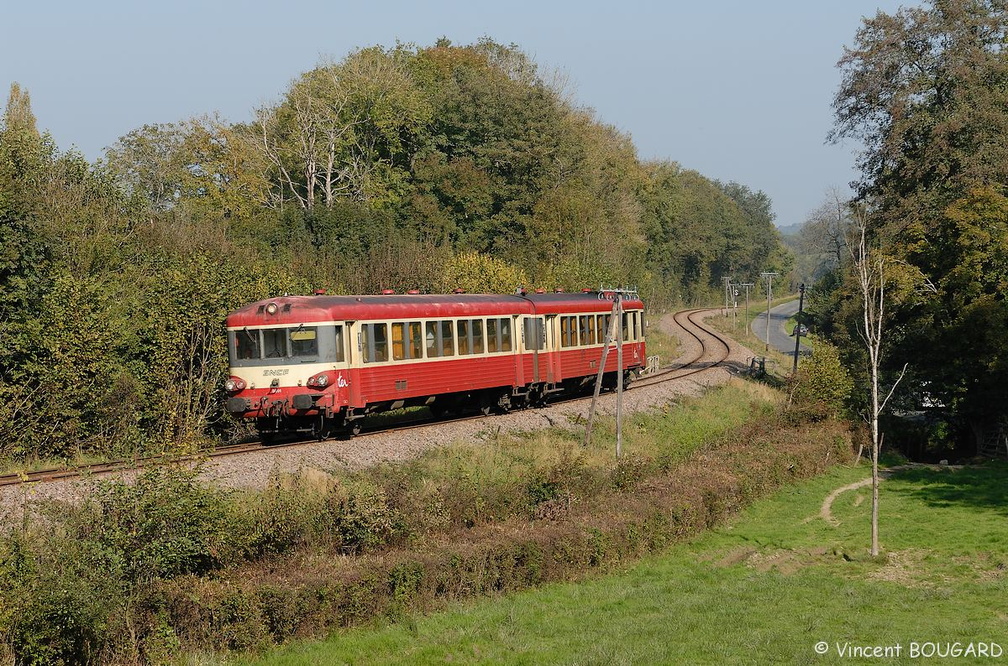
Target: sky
x,y
735,89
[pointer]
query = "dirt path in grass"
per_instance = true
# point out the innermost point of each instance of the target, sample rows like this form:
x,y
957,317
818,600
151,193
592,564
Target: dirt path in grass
x,y
826,510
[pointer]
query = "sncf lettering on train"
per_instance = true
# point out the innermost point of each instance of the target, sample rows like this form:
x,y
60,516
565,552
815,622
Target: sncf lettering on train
x,y
278,372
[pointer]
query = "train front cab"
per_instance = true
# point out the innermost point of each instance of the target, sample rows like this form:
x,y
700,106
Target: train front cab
x,y
289,377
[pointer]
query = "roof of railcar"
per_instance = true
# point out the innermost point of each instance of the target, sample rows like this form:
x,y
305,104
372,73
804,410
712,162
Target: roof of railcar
x,y
299,309
592,301
293,309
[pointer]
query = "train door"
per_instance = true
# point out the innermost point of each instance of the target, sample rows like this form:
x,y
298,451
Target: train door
x,y
552,359
533,335
511,336
352,347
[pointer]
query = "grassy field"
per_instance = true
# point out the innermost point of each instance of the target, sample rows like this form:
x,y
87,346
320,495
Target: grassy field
x,y
767,588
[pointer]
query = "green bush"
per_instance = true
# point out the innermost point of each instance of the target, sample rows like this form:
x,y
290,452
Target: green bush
x,y
822,387
162,525
276,521
362,518
59,605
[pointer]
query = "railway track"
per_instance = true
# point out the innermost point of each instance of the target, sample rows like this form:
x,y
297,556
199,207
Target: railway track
x,y
711,350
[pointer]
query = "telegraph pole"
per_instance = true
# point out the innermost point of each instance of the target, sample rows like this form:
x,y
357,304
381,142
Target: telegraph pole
x,y
768,276
797,331
619,375
613,335
747,285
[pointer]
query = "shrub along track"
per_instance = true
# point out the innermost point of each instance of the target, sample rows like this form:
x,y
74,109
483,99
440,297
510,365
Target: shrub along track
x,y
707,358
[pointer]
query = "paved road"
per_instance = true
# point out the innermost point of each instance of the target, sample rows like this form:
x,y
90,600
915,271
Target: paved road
x,y
779,340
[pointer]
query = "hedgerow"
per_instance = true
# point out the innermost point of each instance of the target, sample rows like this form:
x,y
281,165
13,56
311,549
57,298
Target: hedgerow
x,y
141,571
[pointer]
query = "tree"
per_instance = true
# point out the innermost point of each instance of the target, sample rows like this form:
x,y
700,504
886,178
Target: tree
x,y
199,164
926,92
147,161
496,124
825,232
481,274
754,237
344,130
869,271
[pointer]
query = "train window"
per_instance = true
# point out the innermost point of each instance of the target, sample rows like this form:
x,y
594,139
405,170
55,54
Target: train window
x,y
274,342
447,339
247,344
626,327
565,331
491,336
374,342
304,342
415,340
381,342
338,353
535,333
463,337
587,329
270,346
603,327
398,341
432,339
505,334
477,336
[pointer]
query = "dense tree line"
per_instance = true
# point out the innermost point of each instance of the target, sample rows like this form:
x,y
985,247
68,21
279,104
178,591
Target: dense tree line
x,y
398,168
926,91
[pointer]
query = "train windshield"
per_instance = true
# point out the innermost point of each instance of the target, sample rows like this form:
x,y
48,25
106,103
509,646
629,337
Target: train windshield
x,y
296,344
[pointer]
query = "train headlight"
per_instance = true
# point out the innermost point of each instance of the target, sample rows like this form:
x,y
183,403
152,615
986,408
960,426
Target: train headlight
x,y
234,384
321,380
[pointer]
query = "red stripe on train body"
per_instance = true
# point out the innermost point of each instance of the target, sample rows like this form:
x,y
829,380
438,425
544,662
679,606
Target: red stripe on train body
x,y
319,363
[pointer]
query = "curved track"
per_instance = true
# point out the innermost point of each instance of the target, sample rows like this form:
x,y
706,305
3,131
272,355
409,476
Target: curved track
x,y
711,350
705,349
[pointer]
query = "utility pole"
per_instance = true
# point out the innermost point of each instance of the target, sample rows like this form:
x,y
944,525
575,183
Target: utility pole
x,y
734,306
768,276
797,330
613,335
727,292
747,285
619,374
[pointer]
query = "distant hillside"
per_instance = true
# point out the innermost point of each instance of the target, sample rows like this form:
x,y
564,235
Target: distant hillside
x,y
790,230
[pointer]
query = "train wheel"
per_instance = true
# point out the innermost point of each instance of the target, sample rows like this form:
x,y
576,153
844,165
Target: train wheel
x,y
323,430
349,429
487,402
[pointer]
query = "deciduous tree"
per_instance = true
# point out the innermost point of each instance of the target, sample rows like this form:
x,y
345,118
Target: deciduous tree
x,y
926,91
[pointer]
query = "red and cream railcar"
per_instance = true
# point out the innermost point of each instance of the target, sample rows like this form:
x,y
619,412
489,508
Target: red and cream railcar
x,y
319,363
